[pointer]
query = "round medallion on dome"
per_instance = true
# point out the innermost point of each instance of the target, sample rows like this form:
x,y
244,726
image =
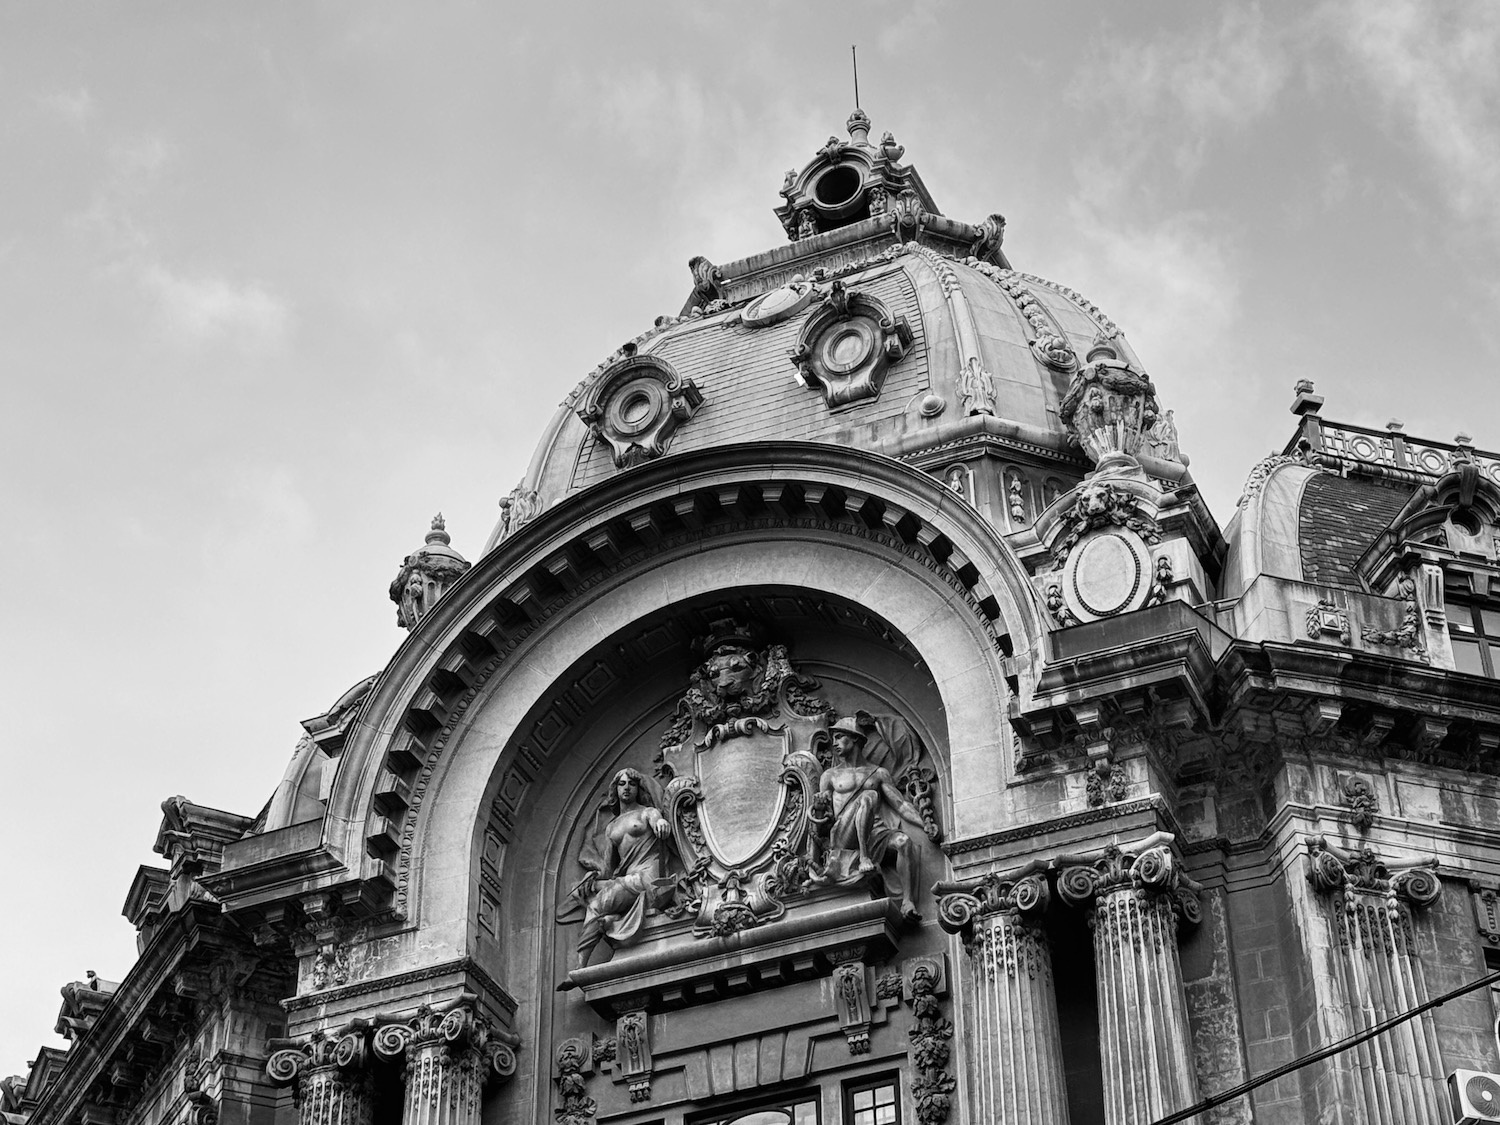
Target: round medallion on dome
x,y
636,405
778,304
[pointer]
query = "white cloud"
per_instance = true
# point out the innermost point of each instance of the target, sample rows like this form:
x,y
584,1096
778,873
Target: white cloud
x,y
206,309
919,19
75,107
1433,67
653,111
1174,283
1183,90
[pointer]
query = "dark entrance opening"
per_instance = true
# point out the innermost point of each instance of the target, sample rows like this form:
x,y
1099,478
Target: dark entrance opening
x,y
1077,1014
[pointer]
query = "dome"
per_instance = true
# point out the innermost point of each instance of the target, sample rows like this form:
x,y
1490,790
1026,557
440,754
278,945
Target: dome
x,y
882,324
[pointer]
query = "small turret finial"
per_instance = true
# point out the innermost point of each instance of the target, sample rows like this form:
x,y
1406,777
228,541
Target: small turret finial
x,y
439,532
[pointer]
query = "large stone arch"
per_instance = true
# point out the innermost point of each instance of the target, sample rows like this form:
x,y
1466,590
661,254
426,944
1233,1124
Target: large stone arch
x,y
857,527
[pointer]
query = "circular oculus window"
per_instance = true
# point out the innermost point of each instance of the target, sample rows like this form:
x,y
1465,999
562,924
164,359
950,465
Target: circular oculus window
x,y
838,186
636,406
846,345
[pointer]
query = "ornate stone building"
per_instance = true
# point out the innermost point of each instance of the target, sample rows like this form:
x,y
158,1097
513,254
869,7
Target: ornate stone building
x,y
858,718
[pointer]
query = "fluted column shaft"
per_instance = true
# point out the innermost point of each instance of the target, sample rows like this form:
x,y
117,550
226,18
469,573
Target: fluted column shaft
x,y
1377,974
332,1076
1143,1028
329,1096
442,1085
1135,899
1015,1069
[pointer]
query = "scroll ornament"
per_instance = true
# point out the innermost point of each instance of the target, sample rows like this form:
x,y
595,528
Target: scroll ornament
x,y
1331,868
1153,872
456,1025
295,1060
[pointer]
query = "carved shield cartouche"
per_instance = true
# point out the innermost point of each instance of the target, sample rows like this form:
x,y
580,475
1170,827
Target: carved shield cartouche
x,y
743,794
741,780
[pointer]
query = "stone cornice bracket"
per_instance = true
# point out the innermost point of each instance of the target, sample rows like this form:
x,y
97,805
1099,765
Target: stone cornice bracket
x,y
1148,868
635,406
299,1060
708,283
848,344
1022,894
457,1026
1331,868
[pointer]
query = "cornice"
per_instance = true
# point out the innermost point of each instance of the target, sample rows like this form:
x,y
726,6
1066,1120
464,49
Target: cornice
x,y
464,967
1154,804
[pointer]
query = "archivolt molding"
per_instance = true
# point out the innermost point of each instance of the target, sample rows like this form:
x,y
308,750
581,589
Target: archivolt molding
x,y
521,769
600,538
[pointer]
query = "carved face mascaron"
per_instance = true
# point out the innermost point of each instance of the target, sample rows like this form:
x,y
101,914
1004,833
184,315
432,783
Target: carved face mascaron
x,y
732,671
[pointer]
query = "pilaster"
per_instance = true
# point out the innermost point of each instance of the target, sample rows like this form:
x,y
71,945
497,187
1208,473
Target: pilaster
x,y
1376,974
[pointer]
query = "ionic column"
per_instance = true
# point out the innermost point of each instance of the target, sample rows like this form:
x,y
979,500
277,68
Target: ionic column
x,y
1015,1070
448,1053
331,1073
1135,898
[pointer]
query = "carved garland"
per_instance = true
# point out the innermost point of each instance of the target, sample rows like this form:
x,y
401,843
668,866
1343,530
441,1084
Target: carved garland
x,y
1408,635
574,1056
931,1035
1102,504
976,386
1261,473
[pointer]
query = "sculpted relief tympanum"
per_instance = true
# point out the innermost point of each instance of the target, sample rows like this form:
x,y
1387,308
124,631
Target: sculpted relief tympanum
x,y
763,799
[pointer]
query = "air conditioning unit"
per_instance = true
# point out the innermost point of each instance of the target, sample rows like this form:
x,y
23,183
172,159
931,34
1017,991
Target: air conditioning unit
x,y
1474,1096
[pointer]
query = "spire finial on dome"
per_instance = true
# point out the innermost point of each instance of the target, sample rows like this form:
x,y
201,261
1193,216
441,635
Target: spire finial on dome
x,y
859,127
425,575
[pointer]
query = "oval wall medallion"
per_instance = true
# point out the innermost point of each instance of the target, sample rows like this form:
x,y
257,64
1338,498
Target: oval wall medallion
x,y
1106,574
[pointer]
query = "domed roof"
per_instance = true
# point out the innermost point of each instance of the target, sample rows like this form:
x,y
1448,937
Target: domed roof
x,y
890,327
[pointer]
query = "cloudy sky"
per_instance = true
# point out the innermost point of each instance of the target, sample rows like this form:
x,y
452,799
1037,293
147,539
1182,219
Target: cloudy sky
x,y
278,282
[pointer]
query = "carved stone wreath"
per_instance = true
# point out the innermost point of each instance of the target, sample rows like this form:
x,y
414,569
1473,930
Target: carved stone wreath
x,y
635,406
847,346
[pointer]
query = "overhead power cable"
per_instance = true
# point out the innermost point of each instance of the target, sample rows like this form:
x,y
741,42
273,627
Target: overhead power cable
x,y
1323,1053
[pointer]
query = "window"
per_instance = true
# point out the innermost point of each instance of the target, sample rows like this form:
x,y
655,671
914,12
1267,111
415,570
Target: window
x,y
1474,631
801,1109
872,1103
